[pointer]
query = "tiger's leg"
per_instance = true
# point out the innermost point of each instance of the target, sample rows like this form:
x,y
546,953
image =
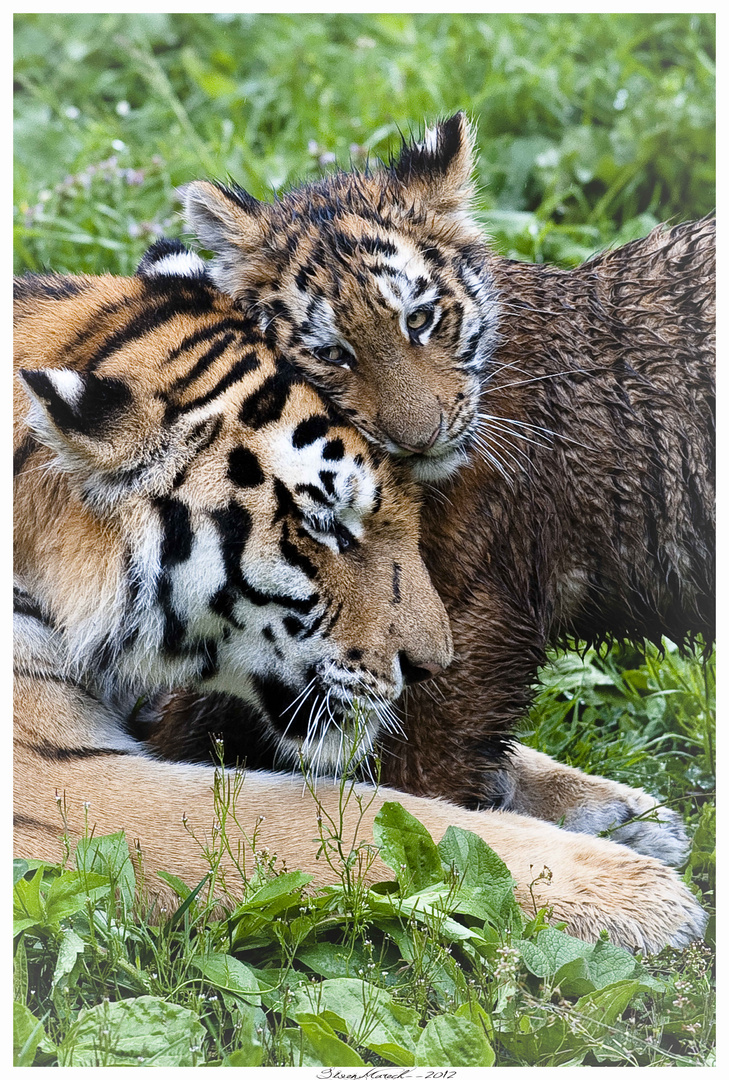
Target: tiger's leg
x,y
170,813
536,785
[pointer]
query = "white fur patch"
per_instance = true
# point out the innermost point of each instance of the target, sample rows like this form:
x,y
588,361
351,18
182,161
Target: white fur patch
x,y
176,264
69,384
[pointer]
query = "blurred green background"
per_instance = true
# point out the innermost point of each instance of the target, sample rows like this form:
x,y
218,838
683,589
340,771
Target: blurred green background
x,y
592,127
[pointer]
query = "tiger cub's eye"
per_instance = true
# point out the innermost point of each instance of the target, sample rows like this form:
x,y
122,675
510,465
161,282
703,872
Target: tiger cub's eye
x,y
420,318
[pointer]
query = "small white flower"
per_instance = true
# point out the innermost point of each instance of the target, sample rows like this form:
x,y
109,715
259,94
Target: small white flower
x,y
119,145
123,108
72,112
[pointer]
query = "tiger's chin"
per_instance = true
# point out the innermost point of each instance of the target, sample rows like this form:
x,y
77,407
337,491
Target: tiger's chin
x,y
327,732
433,468
343,746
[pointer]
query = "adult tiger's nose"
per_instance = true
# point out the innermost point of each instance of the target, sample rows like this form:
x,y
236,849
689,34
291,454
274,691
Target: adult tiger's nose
x,y
415,673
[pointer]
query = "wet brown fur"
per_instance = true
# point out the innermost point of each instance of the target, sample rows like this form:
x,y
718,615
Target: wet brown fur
x,y
605,529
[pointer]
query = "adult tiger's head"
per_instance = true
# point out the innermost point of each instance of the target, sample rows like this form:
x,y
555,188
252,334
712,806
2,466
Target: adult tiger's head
x,y
190,513
376,285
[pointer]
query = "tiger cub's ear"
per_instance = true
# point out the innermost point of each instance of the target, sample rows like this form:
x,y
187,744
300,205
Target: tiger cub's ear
x,y
437,172
230,223
109,435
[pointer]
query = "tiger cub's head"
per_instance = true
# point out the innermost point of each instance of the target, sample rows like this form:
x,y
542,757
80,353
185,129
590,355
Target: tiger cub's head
x,y
376,286
221,529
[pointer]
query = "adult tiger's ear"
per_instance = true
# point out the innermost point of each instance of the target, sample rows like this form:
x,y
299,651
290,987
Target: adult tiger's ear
x,y
114,440
230,223
437,171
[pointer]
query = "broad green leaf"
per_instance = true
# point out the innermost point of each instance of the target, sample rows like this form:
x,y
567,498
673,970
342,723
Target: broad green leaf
x,y
456,1041
252,918
20,869
426,905
28,905
551,950
70,948
371,1017
333,961
20,971
475,862
249,1053
324,1041
283,885
602,1008
178,886
228,973
138,1031
109,857
477,1015
486,885
27,1033
71,892
578,967
542,1044
407,847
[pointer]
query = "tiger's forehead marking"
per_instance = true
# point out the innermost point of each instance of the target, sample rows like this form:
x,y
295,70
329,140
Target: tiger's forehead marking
x,y
399,271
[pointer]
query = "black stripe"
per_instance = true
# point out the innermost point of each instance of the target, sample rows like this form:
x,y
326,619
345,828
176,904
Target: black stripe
x,y
237,371
21,455
266,404
101,402
50,752
209,430
314,493
177,534
244,469
295,557
51,286
183,296
396,571
25,604
22,820
309,430
334,450
204,361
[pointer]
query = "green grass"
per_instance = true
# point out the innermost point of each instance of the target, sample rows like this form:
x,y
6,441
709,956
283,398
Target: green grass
x,y
437,968
592,128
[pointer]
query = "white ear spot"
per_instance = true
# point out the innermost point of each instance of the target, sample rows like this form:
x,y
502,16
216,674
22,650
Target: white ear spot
x,y
69,385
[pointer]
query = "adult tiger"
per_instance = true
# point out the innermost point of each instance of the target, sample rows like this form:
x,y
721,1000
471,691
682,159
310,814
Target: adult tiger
x,y
189,512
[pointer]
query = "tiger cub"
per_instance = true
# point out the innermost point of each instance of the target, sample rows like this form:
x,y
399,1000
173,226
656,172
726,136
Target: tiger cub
x,y
376,286
583,400
189,513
